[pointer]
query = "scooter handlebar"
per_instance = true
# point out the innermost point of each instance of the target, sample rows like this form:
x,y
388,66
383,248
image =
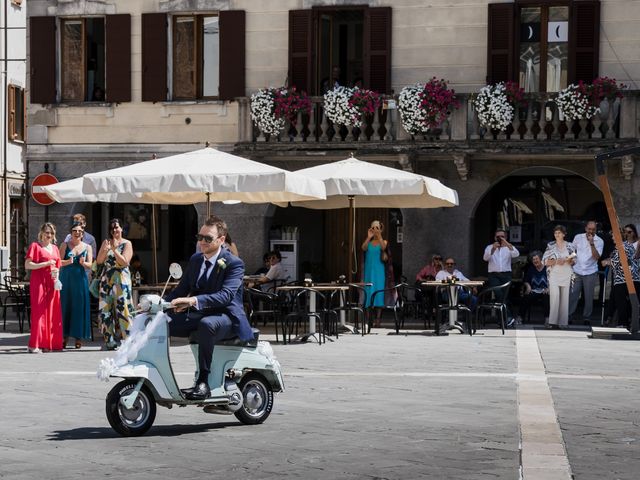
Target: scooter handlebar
x,y
153,304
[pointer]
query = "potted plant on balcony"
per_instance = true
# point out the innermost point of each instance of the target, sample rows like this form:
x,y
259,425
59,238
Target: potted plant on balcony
x,y
272,108
495,105
425,106
350,107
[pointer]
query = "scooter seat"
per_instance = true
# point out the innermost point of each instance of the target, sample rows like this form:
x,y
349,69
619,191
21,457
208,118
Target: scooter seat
x,y
230,342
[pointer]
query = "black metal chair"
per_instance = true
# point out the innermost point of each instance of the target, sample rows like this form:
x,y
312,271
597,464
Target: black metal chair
x,y
395,305
17,297
264,306
447,305
493,301
353,300
414,302
299,313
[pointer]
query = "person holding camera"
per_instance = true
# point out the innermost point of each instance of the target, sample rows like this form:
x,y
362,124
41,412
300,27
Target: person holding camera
x,y
499,255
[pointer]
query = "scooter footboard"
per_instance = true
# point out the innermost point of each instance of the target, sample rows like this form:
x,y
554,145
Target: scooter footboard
x,y
250,359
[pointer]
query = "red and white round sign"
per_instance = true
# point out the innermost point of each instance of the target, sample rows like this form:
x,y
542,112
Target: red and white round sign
x,y
37,193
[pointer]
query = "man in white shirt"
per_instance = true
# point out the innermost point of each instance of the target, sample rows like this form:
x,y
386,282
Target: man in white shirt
x,y
449,271
588,250
499,255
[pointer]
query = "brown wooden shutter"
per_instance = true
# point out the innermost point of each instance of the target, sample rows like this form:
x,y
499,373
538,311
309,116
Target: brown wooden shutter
x,y
500,43
154,57
11,112
301,54
232,54
584,47
118,69
377,48
42,51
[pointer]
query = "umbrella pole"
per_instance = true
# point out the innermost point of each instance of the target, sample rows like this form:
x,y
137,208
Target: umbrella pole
x,y
154,243
208,204
352,239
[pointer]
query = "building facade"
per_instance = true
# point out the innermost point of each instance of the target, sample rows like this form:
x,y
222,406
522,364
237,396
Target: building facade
x,y
13,58
113,82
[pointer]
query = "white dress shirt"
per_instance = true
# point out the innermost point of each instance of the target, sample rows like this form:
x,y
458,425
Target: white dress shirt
x,y
585,263
208,271
444,275
500,260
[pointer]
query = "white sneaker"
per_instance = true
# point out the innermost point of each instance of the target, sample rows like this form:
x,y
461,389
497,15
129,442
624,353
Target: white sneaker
x,y
34,350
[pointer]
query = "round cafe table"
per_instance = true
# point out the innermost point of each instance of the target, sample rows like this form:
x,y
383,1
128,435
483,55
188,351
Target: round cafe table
x,y
453,301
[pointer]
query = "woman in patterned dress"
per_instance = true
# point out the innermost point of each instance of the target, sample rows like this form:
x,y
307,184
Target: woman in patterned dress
x,y
115,304
43,259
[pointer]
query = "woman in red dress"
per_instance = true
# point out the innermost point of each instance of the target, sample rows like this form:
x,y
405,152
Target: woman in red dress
x,y
43,259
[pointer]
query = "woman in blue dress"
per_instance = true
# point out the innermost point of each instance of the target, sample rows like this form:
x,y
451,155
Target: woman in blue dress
x,y
76,313
376,257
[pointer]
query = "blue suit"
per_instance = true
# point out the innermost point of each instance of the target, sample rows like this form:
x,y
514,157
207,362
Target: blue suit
x,y
220,313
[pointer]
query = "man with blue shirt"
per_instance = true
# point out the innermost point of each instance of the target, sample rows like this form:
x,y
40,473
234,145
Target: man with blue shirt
x,y
536,287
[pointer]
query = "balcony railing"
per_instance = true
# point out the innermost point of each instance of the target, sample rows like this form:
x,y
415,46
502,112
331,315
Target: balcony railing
x,y
539,121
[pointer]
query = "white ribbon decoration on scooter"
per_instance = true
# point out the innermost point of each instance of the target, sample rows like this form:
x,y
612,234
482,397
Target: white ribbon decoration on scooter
x,y
128,351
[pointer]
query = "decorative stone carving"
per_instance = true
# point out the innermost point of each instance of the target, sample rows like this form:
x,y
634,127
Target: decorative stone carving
x,y
462,165
627,166
405,162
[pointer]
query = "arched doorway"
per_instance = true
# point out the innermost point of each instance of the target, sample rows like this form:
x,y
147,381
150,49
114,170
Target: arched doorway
x,y
530,202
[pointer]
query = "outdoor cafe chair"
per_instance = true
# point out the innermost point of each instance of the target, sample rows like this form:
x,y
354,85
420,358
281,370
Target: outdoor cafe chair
x,y
17,298
493,301
264,306
299,313
446,305
395,306
414,302
354,301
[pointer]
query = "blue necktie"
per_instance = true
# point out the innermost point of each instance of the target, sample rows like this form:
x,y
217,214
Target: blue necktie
x,y
202,281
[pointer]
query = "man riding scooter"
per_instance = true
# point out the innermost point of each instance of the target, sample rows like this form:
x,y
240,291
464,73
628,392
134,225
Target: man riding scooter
x,y
209,299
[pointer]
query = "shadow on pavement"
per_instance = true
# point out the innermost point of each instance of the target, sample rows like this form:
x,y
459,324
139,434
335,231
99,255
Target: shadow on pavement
x,y
92,433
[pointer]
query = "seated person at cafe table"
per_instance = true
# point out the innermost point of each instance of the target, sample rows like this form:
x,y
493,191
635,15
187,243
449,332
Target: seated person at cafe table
x,y
451,271
431,269
276,271
536,287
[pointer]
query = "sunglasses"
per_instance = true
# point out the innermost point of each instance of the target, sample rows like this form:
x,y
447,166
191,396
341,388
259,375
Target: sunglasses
x,y
628,231
449,264
205,238
76,231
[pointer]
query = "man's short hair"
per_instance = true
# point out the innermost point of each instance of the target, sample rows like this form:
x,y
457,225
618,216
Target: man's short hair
x,y
215,221
79,217
276,253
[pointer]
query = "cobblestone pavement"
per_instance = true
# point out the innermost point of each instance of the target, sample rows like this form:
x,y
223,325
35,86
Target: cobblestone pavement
x,y
380,406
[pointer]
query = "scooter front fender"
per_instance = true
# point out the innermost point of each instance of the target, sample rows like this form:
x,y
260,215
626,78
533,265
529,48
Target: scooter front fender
x,y
149,373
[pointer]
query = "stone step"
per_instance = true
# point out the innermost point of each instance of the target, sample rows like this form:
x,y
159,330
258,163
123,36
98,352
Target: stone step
x,y
607,332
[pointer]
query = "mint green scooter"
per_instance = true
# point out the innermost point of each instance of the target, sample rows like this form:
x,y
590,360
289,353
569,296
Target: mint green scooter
x,y
243,379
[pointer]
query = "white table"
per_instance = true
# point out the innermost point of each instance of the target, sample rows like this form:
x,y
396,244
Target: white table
x,y
453,300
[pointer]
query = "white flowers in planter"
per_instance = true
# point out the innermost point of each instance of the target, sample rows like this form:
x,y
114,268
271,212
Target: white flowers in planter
x,y
493,107
263,112
339,109
425,106
574,105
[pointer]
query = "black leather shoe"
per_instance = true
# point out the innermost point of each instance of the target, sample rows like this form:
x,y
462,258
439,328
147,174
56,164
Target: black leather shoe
x,y
200,392
187,391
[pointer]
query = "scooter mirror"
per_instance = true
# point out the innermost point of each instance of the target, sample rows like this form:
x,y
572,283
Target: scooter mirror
x,y
175,270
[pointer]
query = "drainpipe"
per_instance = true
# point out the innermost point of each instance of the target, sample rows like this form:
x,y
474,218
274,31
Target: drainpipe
x,y
4,134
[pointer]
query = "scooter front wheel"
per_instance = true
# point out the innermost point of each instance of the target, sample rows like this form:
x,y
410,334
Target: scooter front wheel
x,y
257,400
134,421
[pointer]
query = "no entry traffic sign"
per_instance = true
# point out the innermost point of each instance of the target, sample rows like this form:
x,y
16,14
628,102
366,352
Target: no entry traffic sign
x,y
37,193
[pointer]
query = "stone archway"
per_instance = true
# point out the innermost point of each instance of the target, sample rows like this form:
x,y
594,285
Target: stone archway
x,y
552,196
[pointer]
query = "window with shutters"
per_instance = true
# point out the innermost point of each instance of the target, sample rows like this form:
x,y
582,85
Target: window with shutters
x,y
196,57
543,45
15,113
544,48
82,61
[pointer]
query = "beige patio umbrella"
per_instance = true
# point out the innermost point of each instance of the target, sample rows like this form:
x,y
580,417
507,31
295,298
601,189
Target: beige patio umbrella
x,y
374,186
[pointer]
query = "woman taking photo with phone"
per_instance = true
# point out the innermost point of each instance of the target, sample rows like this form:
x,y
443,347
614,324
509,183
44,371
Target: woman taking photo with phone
x,y
115,304
376,263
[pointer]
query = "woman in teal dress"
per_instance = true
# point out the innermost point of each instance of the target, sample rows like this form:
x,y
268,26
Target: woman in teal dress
x,y
76,312
376,258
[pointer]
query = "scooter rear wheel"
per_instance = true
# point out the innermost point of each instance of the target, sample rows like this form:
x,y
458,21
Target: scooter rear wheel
x,y
135,421
257,399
